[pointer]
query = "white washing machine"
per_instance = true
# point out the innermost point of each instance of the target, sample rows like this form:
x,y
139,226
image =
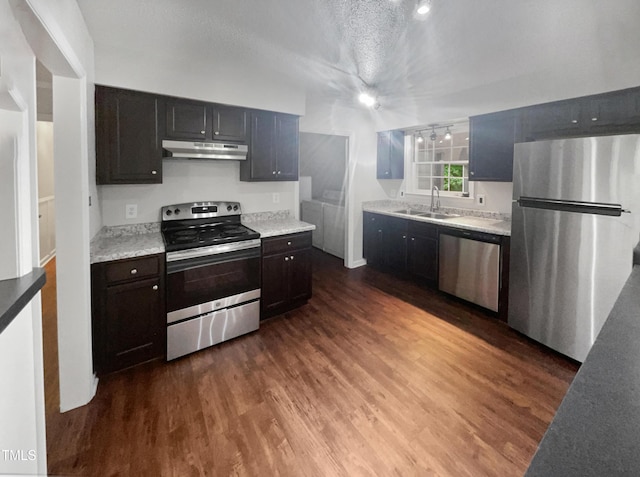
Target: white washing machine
x,y
328,215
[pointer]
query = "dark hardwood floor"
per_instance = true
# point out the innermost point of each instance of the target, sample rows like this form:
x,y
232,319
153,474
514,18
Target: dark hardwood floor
x,y
374,376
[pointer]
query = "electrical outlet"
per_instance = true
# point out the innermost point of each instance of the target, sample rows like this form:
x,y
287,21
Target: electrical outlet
x,y
481,200
276,197
131,211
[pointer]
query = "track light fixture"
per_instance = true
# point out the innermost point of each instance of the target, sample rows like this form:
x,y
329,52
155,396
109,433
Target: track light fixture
x,y
434,135
420,139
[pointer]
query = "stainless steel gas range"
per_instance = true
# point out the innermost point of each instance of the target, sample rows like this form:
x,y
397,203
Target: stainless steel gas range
x,y
213,275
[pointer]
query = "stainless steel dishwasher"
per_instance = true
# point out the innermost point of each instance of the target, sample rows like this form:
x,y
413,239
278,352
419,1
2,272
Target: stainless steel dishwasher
x,y
469,266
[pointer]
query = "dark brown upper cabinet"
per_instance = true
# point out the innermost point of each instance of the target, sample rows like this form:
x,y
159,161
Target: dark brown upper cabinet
x,y
230,124
617,112
491,140
390,160
273,148
128,139
188,120
204,121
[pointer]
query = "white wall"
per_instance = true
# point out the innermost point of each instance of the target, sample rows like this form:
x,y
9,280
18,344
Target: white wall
x,y
192,180
22,422
236,83
46,193
57,34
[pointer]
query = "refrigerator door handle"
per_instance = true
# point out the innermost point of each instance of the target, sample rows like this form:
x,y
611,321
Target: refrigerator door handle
x,y
597,208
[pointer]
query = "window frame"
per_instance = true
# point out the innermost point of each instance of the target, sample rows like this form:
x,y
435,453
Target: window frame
x,y
412,163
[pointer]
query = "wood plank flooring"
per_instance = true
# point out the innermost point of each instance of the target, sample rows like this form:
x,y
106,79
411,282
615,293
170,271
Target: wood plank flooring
x,y
374,376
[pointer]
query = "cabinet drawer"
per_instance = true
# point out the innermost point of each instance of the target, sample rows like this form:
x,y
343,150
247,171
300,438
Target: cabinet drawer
x,y
423,230
286,243
132,269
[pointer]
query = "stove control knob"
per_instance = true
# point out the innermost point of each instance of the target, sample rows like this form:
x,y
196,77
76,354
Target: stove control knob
x,y
177,211
168,212
229,208
235,207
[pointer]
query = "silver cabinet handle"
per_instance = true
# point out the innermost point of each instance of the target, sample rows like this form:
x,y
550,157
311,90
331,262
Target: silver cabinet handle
x,y
404,236
594,119
216,132
278,172
154,172
291,257
134,271
273,172
472,173
413,239
202,132
288,243
574,121
286,259
155,287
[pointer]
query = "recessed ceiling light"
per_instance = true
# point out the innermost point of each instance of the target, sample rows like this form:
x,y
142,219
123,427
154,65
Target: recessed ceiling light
x,y
423,7
367,99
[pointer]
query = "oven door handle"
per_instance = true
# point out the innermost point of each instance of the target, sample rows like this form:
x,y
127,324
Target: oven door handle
x,y
197,262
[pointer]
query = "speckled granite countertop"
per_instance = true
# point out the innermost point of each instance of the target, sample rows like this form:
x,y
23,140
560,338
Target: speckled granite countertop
x,y
479,221
596,430
128,241
282,226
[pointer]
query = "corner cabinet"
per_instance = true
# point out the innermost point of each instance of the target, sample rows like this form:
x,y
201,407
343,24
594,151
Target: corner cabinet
x,y
128,312
286,273
390,156
128,139
491,141
273,148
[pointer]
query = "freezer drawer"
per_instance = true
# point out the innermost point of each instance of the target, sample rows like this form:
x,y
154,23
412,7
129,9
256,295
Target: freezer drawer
x,y
470,269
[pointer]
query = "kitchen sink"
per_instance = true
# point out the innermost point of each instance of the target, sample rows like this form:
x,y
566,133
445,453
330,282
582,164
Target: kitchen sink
x,y
438,215
422,213
409,212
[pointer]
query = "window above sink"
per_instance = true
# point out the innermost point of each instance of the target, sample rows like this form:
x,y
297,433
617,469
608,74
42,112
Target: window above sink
x,y
438,159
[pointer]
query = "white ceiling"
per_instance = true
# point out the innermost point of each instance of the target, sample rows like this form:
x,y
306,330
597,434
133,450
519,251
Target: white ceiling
x,y
332,46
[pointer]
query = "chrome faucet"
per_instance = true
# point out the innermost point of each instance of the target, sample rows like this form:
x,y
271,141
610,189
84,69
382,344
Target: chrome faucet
x,y
435,189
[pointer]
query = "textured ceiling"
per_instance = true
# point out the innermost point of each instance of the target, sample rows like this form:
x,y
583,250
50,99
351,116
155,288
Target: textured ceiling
x,y
334,46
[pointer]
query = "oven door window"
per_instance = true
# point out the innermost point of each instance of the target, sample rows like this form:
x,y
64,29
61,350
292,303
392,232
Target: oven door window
x,y
204,279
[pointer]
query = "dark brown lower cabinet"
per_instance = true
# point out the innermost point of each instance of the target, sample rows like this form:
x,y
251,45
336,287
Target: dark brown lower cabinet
x,y
422,253
286,273
129,319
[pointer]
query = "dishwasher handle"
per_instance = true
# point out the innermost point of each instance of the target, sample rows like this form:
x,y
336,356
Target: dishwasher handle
x,y
471,235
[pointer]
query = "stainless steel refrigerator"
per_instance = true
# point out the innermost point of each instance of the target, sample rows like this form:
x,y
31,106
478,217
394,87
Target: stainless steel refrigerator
x,y
574,226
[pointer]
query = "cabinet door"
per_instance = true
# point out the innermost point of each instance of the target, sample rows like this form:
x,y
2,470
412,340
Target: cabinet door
x,y
607,112
373,239
229,124
422,257
133,327
128,143
300,275
492,137
395,243
274,293
561,119
422,252
260,163
286,148
187,120
390,155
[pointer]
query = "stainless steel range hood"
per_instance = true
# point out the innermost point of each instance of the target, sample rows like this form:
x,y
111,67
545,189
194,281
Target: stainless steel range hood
x,y
204,150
